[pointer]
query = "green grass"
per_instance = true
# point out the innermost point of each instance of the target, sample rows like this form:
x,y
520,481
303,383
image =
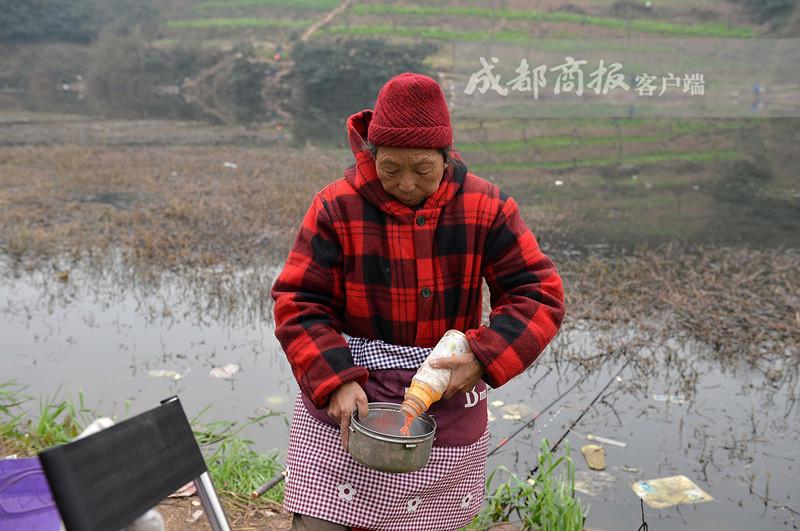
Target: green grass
x,y
235,467
469,123
304,5
561,141
11,416
636,25
645,158
230,23
430,33
434,33
58,420
545,501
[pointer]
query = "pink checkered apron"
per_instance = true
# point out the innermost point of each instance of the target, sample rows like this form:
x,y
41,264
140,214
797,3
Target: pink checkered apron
x,y
325,482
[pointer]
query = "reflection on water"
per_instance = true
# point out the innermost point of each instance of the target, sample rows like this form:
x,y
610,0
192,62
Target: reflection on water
x,y
731,430
624,181
122,335
89,333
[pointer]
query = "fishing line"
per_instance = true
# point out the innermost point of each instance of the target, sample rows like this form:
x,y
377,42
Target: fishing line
x,y
642,527
280,477
587,408
537,382
505,441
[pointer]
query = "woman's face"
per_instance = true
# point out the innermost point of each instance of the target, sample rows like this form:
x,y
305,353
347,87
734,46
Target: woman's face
x,y
409,174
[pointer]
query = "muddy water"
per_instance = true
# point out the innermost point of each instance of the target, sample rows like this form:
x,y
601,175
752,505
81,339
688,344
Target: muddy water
x,y
91,334
729,429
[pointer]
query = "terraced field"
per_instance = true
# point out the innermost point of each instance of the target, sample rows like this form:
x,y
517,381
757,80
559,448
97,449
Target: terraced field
x,y
631,177
510,22
137,242
631,180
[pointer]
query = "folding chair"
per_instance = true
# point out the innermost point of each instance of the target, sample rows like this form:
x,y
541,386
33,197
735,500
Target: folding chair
x,y
105,481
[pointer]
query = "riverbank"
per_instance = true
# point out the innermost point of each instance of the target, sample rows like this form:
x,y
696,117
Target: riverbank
x,y
237,469
143,259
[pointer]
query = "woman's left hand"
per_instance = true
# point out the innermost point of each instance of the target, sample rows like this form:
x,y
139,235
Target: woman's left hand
x,y
467,371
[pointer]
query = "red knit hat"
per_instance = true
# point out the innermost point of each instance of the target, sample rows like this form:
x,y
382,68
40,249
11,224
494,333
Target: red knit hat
x,y
411,112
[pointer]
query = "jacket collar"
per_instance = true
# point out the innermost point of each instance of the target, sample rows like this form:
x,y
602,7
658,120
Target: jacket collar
x,y
364,178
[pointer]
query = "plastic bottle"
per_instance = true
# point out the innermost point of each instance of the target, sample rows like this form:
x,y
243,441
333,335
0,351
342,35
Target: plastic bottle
x,y
429,384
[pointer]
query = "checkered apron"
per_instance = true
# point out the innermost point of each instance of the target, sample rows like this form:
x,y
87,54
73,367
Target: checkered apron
x,y
326,482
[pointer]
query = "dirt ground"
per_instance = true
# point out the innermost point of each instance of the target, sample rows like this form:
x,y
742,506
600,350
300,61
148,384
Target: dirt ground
x,y
178,516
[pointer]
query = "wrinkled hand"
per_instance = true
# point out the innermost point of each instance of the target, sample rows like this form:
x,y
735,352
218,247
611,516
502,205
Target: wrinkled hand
x,y
467,371
343,402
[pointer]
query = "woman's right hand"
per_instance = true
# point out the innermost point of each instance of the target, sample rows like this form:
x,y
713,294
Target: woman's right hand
x,y
343,402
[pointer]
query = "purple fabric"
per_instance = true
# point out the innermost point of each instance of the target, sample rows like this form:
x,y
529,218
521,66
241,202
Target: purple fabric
x,y
460,421
25,498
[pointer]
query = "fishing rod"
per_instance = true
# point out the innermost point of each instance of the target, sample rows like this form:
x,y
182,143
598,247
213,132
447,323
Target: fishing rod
x,y
282,475
542,377
260,491
587,408
268,485
505,441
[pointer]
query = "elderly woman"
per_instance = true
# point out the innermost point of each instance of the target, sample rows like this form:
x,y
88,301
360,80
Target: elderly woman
x,y
387,259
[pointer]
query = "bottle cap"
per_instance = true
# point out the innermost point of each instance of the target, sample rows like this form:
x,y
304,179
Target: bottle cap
x,y
413,406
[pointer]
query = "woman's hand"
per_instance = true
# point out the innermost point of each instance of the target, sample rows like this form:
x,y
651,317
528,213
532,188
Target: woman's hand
x,y
467,371
343,402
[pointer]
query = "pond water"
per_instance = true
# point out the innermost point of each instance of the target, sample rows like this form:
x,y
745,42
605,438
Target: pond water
x,y
731,430
119,337
679,410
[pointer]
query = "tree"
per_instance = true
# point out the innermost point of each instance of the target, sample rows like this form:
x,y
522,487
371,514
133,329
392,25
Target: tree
x,y
77,21
47,20
336,78
769,10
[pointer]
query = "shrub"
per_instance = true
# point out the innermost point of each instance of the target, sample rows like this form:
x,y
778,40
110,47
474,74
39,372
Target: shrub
x,y
768,10
545,501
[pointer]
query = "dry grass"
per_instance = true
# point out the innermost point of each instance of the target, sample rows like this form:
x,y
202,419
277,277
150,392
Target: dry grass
x,y
743,303
179,208
169,207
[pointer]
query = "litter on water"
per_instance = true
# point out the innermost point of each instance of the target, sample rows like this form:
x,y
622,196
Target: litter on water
x,y
592,483
666,492
595,456
164,373
225,372
515,411
275,400
603,440
675,399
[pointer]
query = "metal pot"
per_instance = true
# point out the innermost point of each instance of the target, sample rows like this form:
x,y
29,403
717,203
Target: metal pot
x,y
376,442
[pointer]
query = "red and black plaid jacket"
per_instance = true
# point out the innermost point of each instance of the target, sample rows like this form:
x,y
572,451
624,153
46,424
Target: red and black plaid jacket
x,y
365,264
